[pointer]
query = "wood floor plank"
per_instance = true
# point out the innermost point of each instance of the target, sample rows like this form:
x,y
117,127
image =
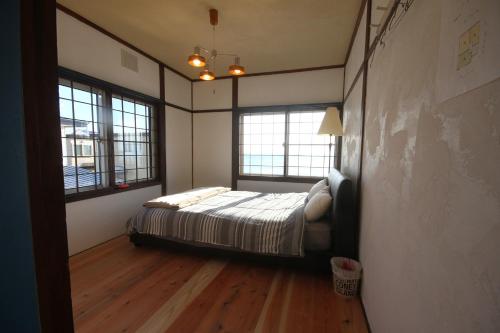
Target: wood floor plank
x,y
267,308
232,303
168,313
135,306
93,254
117,287
99,292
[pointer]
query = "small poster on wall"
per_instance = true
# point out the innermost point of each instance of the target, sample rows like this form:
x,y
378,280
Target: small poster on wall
x,y
469,53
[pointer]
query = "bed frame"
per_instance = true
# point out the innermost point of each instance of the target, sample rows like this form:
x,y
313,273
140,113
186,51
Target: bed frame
x,y
344,235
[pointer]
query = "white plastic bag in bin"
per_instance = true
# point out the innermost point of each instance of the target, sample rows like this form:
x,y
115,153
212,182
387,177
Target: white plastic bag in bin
x,y
346,276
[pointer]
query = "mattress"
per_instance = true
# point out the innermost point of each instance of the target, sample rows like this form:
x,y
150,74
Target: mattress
x,y
264,223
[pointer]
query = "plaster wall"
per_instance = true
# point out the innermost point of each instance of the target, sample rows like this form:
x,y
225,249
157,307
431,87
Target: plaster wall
x,y
430,215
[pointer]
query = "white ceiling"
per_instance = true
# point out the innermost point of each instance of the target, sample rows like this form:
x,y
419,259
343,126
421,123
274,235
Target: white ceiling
x,y
269,35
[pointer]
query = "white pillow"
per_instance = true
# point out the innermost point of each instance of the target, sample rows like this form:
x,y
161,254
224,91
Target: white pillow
x,y
318,206
321,185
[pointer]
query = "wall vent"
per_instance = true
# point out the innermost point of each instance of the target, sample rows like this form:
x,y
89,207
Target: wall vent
x,y
130,61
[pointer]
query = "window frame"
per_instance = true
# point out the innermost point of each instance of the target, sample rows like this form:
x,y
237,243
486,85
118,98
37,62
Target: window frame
x,y
109,89
287,109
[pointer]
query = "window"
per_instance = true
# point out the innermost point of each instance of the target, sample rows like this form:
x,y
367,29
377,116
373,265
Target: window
x,y
308,152
83,137
107,137
133,140
262,144
284,143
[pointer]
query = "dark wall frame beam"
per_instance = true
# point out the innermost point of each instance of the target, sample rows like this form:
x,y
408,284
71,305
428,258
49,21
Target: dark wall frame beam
x,y
45,172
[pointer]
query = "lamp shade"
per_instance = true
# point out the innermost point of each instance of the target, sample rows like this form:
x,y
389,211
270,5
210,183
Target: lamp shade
x,y
331,123
207,75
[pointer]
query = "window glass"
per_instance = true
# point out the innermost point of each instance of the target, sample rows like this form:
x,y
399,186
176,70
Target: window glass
x,y
284,144
83,141
308,152
262,140
88,152
133,140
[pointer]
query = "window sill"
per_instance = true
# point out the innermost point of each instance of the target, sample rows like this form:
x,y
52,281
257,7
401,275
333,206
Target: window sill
x,y
108,191
285,179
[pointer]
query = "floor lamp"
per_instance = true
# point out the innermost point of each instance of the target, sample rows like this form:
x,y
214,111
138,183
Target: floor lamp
x,y
331,125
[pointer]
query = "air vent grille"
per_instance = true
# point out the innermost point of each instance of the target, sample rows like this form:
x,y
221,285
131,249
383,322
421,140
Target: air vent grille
x,y
130,61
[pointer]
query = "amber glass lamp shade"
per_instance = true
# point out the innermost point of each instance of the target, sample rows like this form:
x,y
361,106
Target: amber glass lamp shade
x,y
236,70
207,75
196,60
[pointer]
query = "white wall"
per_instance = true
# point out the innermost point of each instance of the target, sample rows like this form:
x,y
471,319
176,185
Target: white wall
x,y
178,133
430,227
357,54
210,95
177,89
212,149
318,86
94,221
86,50
179,161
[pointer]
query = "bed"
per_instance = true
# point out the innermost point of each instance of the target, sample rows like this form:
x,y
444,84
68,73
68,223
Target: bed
x,y
263,224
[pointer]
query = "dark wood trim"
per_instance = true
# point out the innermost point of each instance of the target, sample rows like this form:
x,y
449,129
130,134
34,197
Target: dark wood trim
x,y
235,165
372,47
338,145
178,107
82,19
291,107
358,74
363,123
356,27
224,77
177,72
162,146
192,139
93,81
109,134
212,110
385,25
286,71
44,167
109,191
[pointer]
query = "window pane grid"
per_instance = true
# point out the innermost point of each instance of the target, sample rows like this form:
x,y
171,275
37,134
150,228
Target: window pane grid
x,y
81,136
262,139
263,150
308,152
132,121
85,118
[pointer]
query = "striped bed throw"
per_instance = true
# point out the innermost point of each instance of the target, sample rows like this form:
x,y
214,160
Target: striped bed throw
x,y
264,223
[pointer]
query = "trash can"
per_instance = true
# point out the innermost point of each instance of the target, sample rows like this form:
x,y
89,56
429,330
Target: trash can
x,y
346,276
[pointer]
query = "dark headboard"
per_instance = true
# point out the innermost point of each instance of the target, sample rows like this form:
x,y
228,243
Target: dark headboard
x,y
345,229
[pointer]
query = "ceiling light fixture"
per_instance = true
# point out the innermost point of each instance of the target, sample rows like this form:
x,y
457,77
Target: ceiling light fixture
x,y
236,69
207,75
197,60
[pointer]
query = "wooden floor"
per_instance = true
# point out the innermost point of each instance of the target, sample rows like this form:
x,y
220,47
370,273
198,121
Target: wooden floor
x,y
117,287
